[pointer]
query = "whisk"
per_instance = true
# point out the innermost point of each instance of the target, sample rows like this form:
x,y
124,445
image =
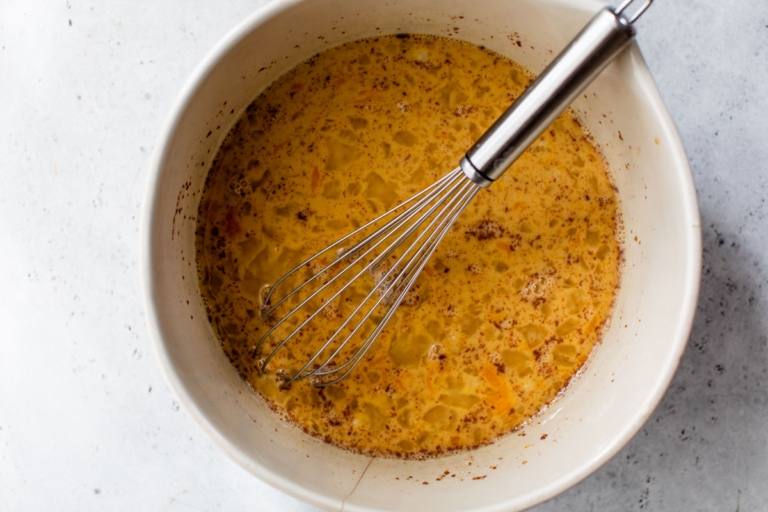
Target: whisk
x,y
386,255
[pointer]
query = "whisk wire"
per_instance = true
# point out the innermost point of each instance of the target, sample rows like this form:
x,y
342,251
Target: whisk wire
x,y
451,193
389,228
468,193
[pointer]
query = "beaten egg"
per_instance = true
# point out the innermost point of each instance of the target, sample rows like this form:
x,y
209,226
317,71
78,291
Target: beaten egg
x,y
508,309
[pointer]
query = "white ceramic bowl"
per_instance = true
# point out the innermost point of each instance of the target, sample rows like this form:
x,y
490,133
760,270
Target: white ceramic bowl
x,y
597,415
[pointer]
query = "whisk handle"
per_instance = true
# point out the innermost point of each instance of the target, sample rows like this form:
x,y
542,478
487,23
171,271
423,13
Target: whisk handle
x,y
606,35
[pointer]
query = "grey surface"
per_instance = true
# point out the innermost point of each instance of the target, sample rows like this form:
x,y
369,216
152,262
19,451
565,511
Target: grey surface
x,y
86,419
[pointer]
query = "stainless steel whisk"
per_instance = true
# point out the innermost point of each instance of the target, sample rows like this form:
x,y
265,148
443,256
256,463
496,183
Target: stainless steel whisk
x,y
399,248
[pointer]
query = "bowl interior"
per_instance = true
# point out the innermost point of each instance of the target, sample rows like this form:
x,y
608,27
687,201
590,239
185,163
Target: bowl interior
x,y
599,412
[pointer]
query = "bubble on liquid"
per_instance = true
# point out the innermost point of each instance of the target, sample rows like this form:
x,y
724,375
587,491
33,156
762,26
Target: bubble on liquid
x,y
538,285
436,352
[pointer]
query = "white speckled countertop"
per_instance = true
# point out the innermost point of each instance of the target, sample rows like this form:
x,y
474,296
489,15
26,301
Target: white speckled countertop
x,y
86,419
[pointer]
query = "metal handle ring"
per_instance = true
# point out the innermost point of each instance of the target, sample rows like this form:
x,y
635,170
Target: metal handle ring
x,y
631,19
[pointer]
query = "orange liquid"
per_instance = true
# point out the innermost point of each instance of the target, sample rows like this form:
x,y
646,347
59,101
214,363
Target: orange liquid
x,y
508,309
